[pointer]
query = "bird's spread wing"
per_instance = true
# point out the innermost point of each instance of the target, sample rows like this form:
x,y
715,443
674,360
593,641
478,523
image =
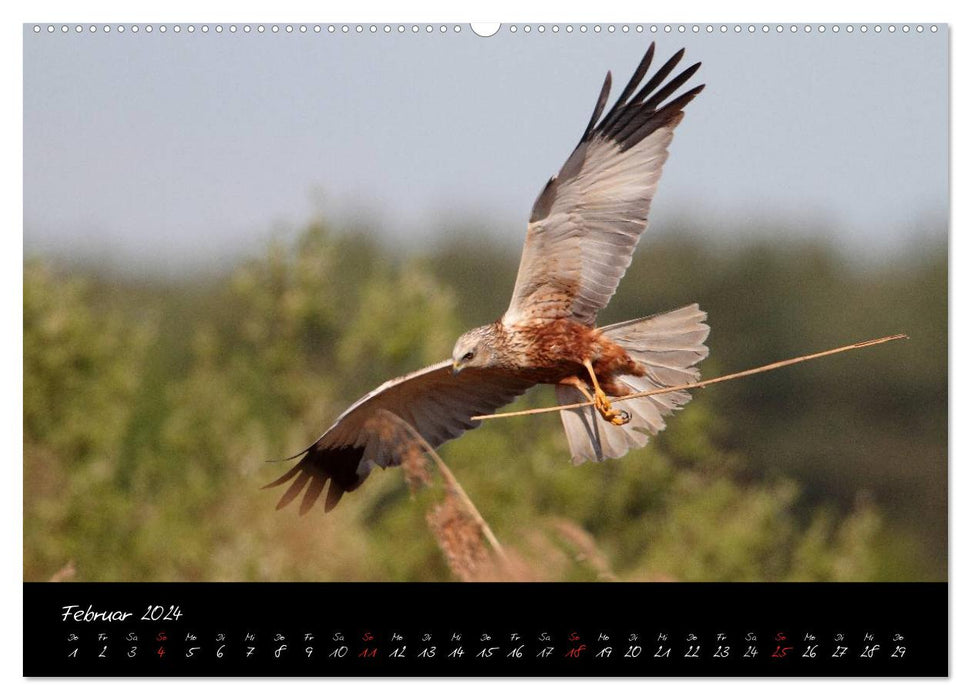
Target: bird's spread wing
x,y
587,220
436,403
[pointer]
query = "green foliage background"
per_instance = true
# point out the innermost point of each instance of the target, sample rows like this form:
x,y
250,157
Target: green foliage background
x,y
151,406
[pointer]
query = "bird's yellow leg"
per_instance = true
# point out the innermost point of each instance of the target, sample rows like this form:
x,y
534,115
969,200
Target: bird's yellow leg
x,y
612,415
578,383
602,403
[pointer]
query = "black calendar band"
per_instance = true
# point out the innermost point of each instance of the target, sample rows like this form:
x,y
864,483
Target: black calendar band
x,y
418,629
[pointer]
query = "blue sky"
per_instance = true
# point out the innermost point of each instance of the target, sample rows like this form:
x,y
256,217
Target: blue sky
x,y
175,150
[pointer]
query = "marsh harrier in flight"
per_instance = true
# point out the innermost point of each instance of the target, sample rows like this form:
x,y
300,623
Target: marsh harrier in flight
x,y
581,235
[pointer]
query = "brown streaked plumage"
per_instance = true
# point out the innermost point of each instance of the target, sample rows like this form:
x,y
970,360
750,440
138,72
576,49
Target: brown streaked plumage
x,y
579,242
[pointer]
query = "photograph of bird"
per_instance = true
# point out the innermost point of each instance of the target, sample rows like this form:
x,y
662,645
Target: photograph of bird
x,y
581,236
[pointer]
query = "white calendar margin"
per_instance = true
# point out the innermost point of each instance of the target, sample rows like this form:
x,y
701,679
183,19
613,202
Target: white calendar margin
x,y
11,291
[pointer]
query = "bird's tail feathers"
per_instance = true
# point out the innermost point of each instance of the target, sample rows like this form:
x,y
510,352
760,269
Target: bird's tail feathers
x,y
667,346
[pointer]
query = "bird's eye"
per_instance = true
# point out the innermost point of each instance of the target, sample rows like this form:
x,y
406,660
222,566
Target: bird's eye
x,y
468,356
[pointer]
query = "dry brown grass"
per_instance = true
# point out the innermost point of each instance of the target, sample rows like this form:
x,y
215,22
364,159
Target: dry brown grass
x,y
469,545
65,573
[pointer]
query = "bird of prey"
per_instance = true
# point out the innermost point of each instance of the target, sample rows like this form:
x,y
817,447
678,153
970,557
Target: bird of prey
x,y
581,235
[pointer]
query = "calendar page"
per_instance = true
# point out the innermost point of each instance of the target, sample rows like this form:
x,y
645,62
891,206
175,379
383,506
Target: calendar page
x,y
541,349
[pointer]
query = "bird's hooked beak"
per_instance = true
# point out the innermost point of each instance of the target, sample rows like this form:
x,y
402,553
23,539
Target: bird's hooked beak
x,y
456,367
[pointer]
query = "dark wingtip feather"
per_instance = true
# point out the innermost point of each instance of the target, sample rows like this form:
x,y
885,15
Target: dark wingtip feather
x,y
662,73
337,465
599,108
676,82
295,488
632,84
283,479
628,123
334,494
313,493
670,115
678,103
638,75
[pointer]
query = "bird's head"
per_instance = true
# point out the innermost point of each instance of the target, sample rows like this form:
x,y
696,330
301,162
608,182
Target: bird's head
x,y
474,348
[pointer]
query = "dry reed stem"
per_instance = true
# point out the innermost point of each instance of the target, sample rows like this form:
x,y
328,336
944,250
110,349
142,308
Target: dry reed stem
x,y
68,571
460,540
463,535
586,548
451,483
702,384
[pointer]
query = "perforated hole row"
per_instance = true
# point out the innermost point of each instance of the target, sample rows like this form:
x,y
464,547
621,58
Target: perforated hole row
x,y
455,28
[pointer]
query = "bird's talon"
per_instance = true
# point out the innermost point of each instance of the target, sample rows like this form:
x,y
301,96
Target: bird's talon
x,y
619,417
608,412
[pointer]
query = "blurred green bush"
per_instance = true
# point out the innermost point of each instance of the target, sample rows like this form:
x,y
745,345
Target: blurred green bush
x,y
151,406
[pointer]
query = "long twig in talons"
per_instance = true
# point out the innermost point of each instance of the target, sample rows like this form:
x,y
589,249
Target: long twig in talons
x,y
702,384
